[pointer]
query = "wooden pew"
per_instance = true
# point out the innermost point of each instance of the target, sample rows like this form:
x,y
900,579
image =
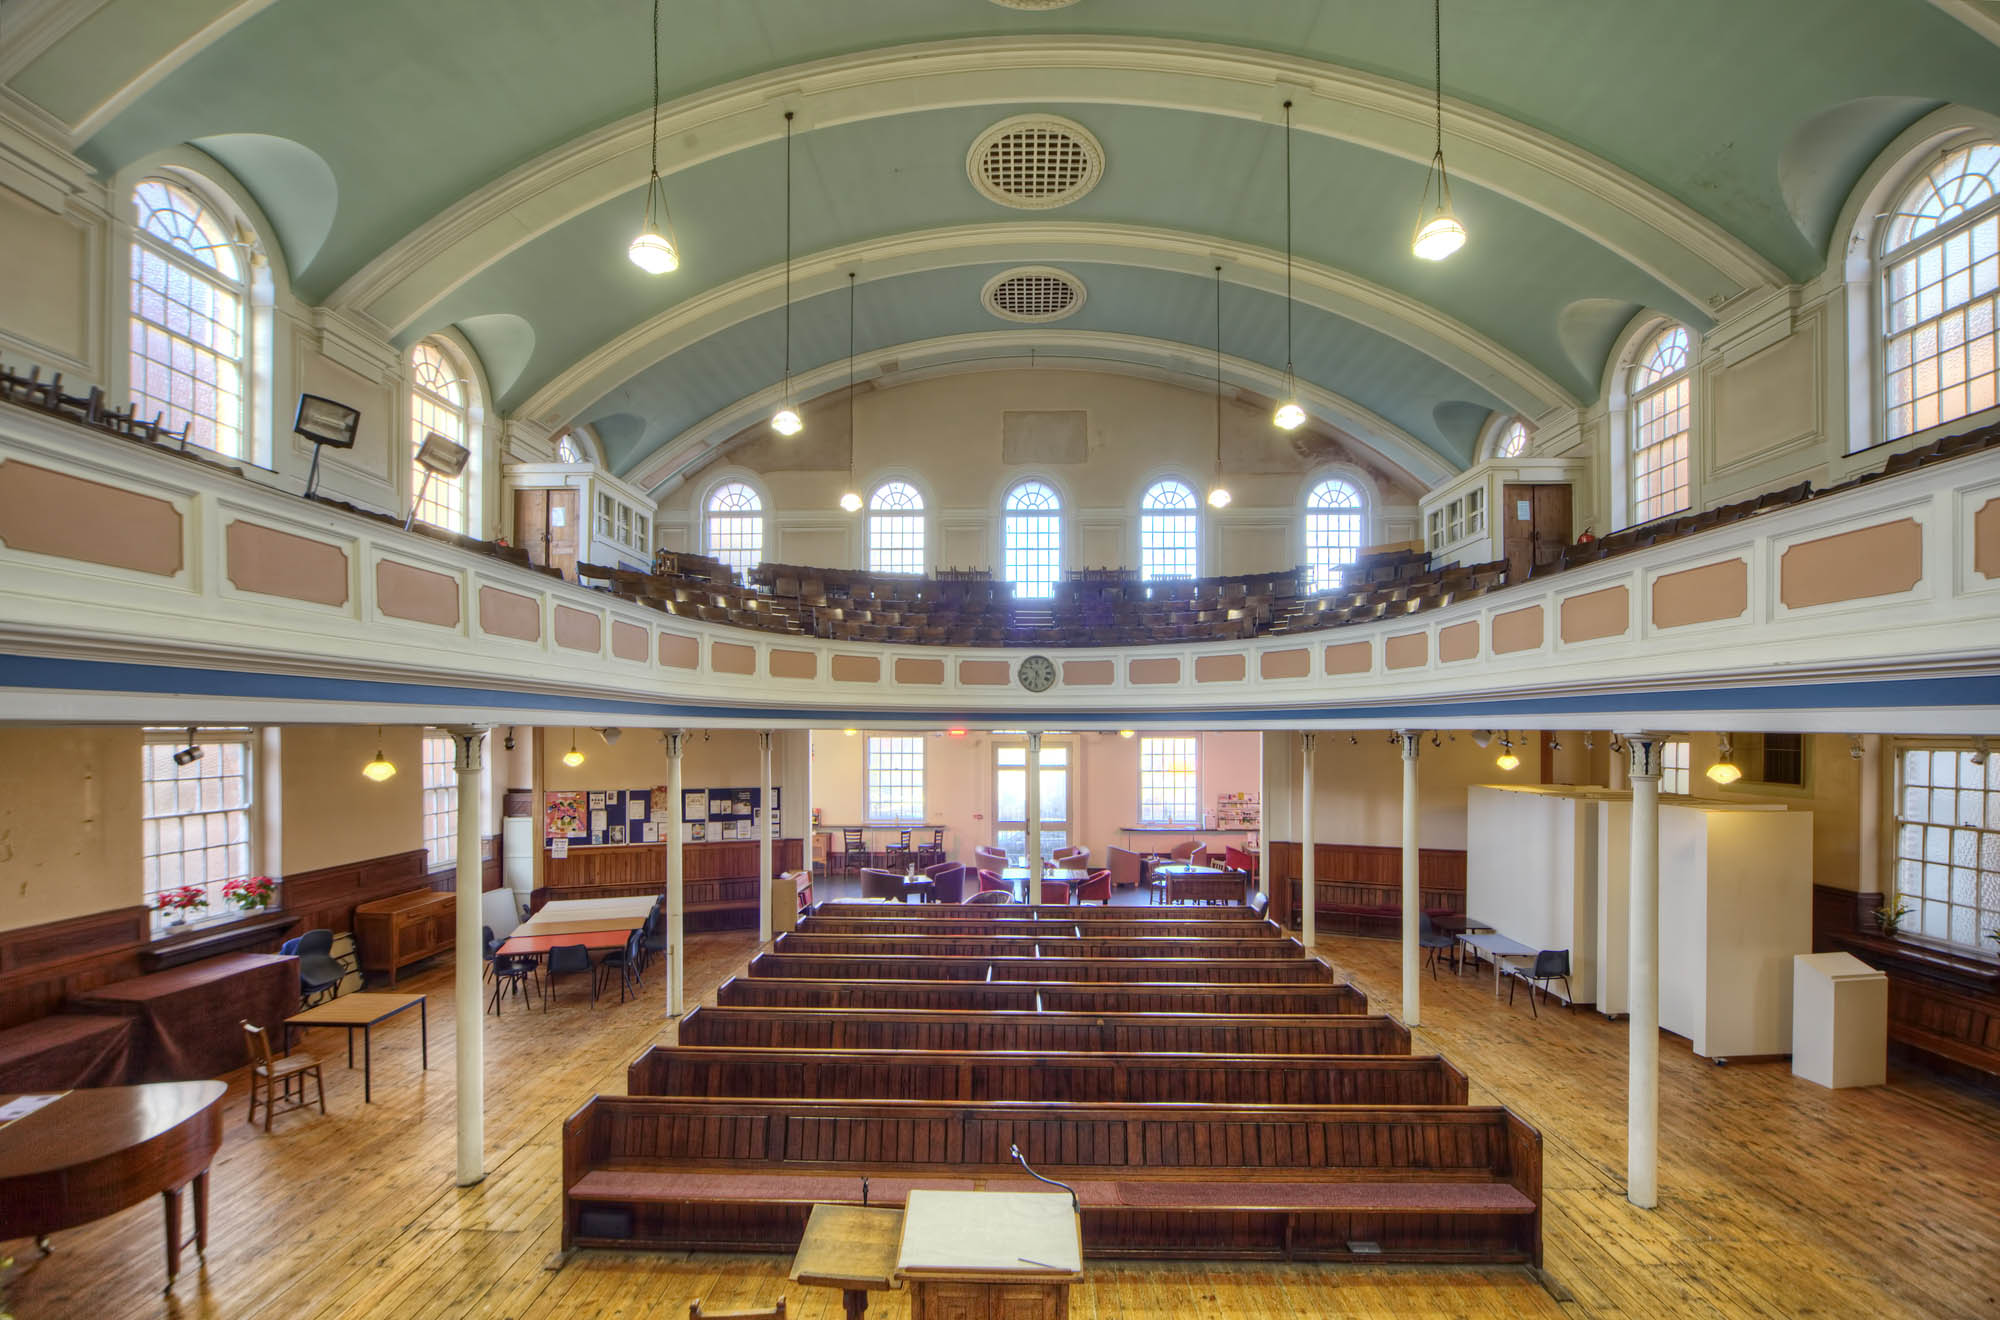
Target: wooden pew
x,y
1415,1183
1110,929
850,909
1042,996
948,967
1100,1032
951,943
1047,1077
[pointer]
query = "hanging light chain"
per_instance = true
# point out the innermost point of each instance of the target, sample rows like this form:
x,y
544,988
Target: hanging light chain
x,y
788,257
656,89
1288,245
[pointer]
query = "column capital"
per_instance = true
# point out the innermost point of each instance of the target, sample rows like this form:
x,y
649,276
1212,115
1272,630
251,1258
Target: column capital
x,y
676,741
468,743
1311,739
1412,742
1035,740
1643,753
764,739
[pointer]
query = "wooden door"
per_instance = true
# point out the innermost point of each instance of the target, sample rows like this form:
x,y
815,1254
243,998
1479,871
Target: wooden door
x,y
545,525
1535,525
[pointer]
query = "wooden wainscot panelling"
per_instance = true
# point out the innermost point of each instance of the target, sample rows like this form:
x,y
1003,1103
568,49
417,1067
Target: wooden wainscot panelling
x,y
403,591
269,562
679,652
1883,560
42,965
1986,539
922,671
730,658
509,614
628,641
1219,668
1460,641
856,669
577,630
1701,595
1089,673
1944,1005
1361,885
794,664
1517,630
324,899
1285,664
1154,669
1411,650
46,512
1595,614
985,673
1350,658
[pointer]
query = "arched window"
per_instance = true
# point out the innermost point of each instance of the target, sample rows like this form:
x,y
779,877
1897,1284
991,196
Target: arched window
x,y
1333,532
1169,532
896,529
1031,539
569,451
1513,441
1940,269
190,318
440,402
1659,424
736,526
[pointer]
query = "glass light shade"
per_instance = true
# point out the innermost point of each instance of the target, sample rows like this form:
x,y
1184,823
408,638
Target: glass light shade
x,y
850,502
653,252
1724,772
1219,498
850,732
1508,761
786,421
1127,733
572,758
380,768
1439,237
1289,417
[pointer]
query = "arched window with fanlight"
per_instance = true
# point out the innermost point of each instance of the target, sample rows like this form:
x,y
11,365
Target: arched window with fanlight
x,y
569,451
190,330
896,529
1031,532
1169,532
1512,442
1661,391
440,404
1940,263
1334,512
735,526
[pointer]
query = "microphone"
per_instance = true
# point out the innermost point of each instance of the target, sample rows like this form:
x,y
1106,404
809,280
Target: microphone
x,y
1074,1205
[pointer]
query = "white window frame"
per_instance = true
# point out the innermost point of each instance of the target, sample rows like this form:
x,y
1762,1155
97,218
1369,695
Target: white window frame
x,y
237,824
447,503
734,534
1328,575
896,529
1056,757
1647,383
228,240
440,781
1674,763
1945,858
893,779
1169,532
1170,794
1511,440
1016,560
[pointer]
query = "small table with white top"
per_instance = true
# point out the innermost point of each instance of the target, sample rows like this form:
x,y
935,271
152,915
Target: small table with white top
x,y
1499,950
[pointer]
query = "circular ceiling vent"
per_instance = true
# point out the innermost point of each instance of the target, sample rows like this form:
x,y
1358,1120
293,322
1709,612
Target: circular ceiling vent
x,y
1035,162
1033,293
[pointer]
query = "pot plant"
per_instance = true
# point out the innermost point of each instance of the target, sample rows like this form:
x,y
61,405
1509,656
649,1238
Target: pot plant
x,y
179,903
1889,917
249,895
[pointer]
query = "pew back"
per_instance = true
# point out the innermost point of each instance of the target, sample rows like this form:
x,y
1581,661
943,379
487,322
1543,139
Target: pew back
x,y
1088,1031
1043,996
1052,945
950,967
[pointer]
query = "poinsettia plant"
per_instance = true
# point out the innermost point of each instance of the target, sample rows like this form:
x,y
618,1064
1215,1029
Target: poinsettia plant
x,y
188,898
250,894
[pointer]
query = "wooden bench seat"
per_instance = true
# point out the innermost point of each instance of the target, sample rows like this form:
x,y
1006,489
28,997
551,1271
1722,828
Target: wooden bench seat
x,y
1040,996
1448,1183
1047,1076
1079,1032
950,967
953,944
1060,912
1000,926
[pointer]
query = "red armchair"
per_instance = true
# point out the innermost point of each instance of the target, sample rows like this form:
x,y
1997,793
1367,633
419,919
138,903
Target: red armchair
x,y
1127,868
1055,891
1238,860
947,882
990,882
1098,887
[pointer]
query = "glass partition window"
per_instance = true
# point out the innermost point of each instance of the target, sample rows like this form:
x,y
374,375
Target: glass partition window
x,y
1169,781
188,338
1169,533
736,526
195,820
1948,845
1661,386
1031,531
1333,533
896,529
440,800
895,781
1940,272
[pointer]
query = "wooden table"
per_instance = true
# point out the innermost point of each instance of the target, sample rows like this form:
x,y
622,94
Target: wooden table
x,y
95,1152
1200,883
1018,878
597,941
363,1011
989,1255
185,1019
852,1248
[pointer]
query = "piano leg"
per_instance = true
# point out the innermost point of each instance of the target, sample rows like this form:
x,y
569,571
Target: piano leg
x,y
172,1200
201,1210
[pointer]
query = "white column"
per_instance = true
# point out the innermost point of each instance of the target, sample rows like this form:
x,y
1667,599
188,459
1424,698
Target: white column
x,y
1412,741
764,847
1642,1101
1868,856
468,991
1034,818
676,875
1308,894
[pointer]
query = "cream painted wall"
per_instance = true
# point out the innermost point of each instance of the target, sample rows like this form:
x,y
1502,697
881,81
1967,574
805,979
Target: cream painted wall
x,y
69,823
46,266
946,435
1832,793
332,814
1358,787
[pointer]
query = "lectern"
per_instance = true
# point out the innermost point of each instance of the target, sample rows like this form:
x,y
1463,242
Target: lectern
x,y
989,1255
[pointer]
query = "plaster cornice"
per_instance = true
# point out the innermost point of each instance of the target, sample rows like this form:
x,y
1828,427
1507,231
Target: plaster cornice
x,y
1667,239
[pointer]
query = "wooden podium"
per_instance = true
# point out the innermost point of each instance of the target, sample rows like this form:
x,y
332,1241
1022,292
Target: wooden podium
x,y
989,1255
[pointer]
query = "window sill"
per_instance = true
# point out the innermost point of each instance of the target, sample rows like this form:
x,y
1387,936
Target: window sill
x,y
1917,956
229,933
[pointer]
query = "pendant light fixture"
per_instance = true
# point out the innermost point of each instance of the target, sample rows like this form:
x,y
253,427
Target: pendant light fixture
x,y
381,768
1218,494
1725,770
653,251
1507,760
850,499
572,758
1439,233
1289,417
786,420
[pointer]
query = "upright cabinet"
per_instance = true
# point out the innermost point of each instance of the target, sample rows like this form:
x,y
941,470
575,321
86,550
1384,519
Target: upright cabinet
x,y
391,933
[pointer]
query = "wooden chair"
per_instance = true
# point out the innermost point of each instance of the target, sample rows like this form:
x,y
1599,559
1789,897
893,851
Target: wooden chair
x,y
853,848
766,1313
282,1073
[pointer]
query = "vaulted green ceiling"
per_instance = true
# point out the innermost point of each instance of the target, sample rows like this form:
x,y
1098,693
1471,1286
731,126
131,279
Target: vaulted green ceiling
x,y
1749,120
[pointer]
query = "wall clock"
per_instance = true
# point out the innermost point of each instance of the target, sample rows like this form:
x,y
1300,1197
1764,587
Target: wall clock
x,y
1038,673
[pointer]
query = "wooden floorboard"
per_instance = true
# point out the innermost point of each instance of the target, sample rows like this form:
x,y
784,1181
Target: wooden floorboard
x,y
1778,1198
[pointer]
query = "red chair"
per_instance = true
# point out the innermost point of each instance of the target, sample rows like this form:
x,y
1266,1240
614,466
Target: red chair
x,y
1055,892
990,882
1238,860
1098,887
990,859
947,882
1075,858
1127,868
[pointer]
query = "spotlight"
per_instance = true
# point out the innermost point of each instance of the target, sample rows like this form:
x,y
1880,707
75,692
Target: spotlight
x,y
1482,737
1555,743
1979,757
1854,745
189,754
610,736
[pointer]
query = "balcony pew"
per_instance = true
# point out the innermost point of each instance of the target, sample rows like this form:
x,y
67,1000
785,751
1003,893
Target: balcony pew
x,y
1055,945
